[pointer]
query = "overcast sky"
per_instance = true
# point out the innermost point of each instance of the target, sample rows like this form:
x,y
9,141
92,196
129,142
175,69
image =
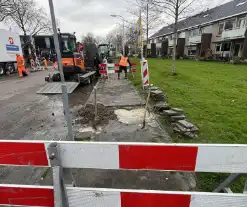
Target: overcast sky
x,y
83,16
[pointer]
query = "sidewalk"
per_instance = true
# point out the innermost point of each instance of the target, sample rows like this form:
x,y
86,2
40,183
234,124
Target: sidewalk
x,y
121,96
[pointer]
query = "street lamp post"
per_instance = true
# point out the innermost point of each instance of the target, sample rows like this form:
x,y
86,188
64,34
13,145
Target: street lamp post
x,y
123,30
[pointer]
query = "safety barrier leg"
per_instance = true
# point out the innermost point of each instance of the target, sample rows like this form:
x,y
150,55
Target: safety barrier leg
x,y
60,195
224,186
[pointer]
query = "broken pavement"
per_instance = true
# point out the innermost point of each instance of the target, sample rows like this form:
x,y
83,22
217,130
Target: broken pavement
x,y
122,98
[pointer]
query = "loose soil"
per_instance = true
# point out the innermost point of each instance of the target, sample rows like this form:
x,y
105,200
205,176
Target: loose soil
x,y
105,114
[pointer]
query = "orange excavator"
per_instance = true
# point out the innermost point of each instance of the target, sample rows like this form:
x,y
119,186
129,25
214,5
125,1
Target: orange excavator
x,y
74,68
73,60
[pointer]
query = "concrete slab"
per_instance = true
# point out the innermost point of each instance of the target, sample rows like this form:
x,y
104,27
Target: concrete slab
x,y
116,93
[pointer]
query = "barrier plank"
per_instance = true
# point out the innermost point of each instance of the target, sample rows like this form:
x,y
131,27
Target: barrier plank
x,y
134,156
22,195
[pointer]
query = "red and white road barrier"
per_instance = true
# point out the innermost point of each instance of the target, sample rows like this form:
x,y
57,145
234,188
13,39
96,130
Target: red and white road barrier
x,y
136,156
103,69
21,195
126,156
145,73
112,68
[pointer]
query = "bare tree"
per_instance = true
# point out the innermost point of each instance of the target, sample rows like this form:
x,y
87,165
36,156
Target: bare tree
x,y
177,10
89,38
115,38
6,9
150,16
30,18
132,38
100,40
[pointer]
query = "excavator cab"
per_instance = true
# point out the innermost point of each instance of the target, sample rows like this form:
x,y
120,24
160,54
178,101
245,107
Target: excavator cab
x,y
73,62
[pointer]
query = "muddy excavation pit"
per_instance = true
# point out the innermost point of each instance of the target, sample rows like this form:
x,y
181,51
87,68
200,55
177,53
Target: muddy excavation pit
x,y
86,115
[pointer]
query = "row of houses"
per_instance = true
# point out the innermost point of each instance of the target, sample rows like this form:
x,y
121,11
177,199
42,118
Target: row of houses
x,y
219,32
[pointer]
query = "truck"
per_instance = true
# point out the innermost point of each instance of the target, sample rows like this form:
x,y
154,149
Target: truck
x,y
10,45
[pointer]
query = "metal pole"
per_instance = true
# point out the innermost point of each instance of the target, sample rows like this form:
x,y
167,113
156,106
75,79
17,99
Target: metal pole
x,y
123,37
64,86
95,103
245,187
142,59
147,31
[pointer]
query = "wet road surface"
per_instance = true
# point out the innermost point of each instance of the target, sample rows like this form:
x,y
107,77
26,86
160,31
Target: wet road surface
x,y
28,116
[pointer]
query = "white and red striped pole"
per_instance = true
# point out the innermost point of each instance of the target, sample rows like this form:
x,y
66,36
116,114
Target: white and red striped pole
x,y
145,74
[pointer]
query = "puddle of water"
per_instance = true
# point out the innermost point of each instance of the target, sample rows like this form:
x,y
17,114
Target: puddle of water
x,y
134,116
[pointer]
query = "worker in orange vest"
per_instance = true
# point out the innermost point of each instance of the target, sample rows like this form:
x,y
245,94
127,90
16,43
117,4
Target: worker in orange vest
x,y
45,63
123,65
21,65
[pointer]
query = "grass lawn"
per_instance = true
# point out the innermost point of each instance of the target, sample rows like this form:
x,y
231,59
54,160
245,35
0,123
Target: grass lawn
x,y
213,96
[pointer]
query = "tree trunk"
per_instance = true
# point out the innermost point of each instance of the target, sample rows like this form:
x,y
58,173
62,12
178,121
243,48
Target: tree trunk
x,y
175,41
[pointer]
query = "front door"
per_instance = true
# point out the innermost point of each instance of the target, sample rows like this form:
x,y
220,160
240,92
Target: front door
x,y
236,49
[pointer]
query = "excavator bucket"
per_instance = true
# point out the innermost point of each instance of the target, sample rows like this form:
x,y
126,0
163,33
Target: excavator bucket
x,y
55,88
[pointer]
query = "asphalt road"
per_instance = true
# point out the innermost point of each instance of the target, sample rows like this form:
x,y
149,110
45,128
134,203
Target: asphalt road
x,y
28,116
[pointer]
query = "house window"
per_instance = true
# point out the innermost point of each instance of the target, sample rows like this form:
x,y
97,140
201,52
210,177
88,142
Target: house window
x,y
226,46
229,24
195,32
221,27
241,23
218,47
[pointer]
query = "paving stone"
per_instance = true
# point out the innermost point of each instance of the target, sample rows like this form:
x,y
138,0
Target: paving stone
x,y
158,95
154,88
177,118
183,131
157,92
178,110
84,134
191,134
171,113
158,99
175,129
186,124
179,128
161,106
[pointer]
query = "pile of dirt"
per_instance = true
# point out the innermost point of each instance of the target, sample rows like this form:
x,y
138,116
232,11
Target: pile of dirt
x,y
86,114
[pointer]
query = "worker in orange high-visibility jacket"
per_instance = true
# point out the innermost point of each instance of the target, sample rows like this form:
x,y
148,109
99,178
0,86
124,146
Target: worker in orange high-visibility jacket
x,y
123,65
45,63
21,65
